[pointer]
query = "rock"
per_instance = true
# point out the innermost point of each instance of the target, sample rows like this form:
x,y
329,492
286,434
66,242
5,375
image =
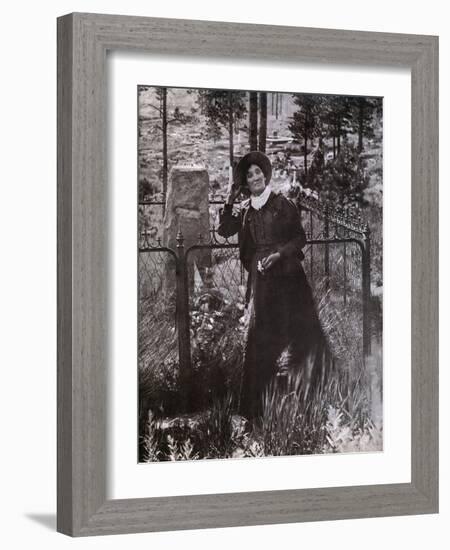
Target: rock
x,y
187,209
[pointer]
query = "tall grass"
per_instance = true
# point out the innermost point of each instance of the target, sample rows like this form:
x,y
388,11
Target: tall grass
x,y
281,421
335,416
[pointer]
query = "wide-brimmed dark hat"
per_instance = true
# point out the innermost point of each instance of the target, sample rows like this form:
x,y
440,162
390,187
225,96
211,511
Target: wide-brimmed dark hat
x,y
254,157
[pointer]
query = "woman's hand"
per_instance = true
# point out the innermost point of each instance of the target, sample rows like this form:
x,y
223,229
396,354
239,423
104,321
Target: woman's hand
x,y
270,260
233,193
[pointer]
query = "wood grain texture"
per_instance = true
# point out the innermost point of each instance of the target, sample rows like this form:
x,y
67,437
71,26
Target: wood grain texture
x,y
424,276
83,205
64,277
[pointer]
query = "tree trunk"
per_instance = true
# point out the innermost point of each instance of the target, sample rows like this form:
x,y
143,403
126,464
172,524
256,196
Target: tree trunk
x,y
262,121
164,127
305,155
253,119
230,126
360,126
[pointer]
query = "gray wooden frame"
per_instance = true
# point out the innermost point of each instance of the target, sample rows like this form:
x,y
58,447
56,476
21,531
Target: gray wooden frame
x,y
83,40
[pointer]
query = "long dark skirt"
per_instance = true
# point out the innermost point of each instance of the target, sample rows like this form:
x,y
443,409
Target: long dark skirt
x,y
283,324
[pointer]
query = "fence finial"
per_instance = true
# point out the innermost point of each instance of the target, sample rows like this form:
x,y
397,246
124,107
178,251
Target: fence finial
x,y
180,237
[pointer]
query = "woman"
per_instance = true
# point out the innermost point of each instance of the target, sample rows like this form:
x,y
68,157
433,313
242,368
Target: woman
x,y
283,323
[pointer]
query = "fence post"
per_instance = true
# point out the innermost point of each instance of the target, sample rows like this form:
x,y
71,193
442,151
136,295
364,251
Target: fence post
x,y
311,236
326,232
345,274
366,291
182,312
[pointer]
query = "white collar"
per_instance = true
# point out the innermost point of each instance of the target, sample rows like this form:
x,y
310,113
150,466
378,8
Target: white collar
x,y
259,201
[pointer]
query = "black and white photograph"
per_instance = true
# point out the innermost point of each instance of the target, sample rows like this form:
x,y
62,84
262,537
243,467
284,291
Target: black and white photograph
x,y
260,272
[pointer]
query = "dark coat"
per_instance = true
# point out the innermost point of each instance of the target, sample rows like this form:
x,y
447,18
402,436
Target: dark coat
x,y
289,234
281,311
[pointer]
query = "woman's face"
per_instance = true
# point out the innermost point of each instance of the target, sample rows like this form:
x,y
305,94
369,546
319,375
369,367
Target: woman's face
x,y
256,180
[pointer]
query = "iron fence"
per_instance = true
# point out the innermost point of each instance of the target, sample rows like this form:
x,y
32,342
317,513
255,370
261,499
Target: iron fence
x,y
183,294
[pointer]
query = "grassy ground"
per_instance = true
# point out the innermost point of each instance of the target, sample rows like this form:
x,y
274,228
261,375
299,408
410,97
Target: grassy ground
x,y
336,417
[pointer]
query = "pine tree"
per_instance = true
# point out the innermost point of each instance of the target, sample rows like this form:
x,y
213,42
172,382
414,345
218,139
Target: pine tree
x,y
305,123
223,110
363,111
167,116
253,121
336,116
